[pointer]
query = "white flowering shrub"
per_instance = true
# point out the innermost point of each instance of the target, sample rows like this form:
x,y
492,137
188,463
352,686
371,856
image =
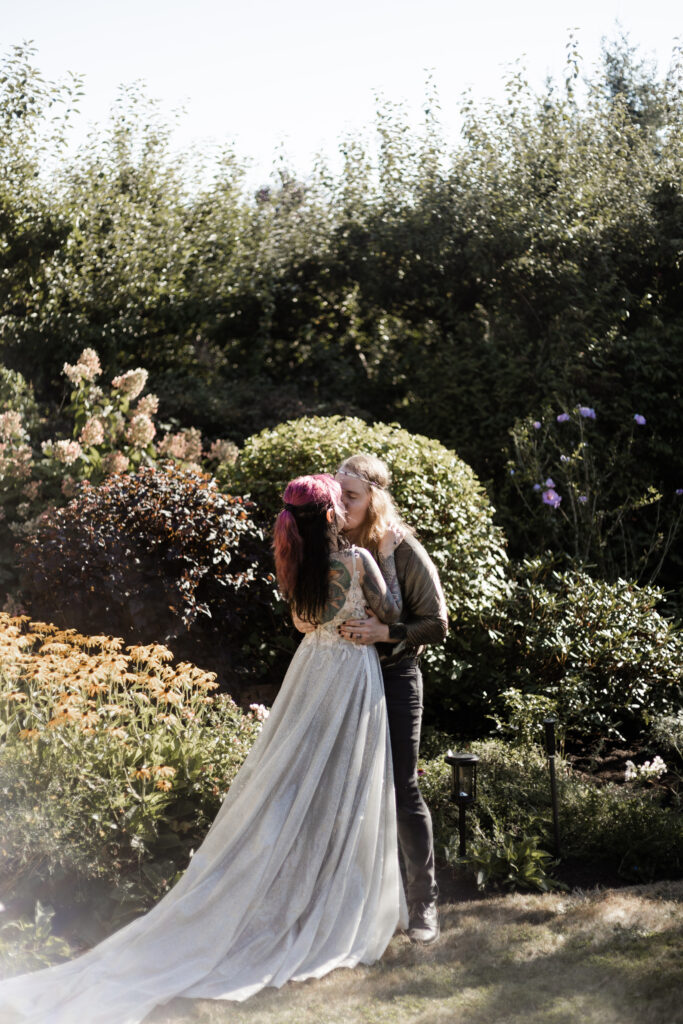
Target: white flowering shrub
x,y
114,431
647,770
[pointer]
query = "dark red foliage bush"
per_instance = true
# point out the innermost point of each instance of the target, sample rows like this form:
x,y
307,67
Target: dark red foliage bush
x,y
160,555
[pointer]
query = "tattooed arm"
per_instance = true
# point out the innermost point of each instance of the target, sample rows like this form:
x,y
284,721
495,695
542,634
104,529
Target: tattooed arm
x,y
340,581
381,589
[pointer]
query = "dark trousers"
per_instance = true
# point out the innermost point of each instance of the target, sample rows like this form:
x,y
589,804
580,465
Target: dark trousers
x,y
403,689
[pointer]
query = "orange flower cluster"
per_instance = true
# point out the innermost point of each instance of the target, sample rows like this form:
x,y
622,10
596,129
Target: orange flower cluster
x,y
52,678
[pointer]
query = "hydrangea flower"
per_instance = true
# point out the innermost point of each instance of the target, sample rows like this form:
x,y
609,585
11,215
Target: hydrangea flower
x,y
141,430
115,462
11,425
149,405
87,368
93,432
31,490
131,383
63,451
586,412
552,498
564,417
224,451
261,712
185,445
640,420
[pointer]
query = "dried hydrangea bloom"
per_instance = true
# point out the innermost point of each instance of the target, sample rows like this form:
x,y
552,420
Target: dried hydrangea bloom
x,y
131,383
11,425
93,432
87,368
115,462
224,451
148,404
141,430
66,452
186,445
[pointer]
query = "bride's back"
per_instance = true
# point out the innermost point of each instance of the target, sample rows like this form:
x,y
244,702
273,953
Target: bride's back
x,y
345,597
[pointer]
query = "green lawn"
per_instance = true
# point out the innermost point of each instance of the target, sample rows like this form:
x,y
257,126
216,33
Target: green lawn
x,y
602,957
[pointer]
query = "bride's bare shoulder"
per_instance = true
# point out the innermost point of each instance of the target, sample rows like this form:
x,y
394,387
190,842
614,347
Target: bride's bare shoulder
x,y
344,555
349,556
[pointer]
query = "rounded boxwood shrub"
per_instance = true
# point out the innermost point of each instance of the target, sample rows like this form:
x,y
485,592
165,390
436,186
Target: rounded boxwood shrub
x,y
160,555
436,492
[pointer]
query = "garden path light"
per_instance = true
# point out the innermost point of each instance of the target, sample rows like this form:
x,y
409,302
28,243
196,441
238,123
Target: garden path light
x,y
464,791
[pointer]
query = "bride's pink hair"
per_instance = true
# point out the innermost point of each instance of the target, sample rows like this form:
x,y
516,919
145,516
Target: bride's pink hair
x,y
301,539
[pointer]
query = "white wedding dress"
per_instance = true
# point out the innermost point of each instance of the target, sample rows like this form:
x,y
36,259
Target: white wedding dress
x,y
298,875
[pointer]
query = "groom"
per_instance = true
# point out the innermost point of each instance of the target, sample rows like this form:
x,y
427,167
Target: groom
x,y
369,508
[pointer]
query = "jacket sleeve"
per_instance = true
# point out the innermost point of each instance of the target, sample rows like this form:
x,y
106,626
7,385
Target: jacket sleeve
x,y
426,618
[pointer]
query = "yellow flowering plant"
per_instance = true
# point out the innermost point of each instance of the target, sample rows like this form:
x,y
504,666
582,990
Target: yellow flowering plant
x,y
113,763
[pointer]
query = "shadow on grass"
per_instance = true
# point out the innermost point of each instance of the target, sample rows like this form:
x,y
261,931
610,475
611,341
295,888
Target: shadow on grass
x,y
603,958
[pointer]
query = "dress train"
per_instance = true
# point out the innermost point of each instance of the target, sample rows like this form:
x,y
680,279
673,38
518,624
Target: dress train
x,y
298,874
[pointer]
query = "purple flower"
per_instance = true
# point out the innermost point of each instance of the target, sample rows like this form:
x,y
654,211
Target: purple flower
x,y
586,412
537,487
552,498
537,424
511,472
640,420
564,458
583,499
550,482
563,417
679,490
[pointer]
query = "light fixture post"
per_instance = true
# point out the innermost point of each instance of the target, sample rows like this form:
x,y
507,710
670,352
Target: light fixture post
x,y
549,725
464,789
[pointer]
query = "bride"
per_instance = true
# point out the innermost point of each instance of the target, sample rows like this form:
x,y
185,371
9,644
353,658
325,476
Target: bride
x,y
299,873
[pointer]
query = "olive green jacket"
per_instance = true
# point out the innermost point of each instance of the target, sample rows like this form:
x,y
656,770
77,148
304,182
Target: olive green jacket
x,y
424,606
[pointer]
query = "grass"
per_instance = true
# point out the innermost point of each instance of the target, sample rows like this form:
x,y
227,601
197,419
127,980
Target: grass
x,y
599,957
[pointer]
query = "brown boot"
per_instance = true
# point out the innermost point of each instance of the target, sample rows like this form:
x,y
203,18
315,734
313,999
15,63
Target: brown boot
x,y
423,924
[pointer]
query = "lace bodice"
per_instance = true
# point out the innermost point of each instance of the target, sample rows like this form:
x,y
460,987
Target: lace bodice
x,y
353,608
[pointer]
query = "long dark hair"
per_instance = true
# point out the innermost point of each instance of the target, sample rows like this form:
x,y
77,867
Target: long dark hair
x,y
302,542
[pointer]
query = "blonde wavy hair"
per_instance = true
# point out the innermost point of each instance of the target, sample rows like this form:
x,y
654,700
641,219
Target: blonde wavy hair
x,y
381,512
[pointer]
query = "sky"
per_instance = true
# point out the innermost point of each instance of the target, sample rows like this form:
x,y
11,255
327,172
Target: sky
x,y
271,77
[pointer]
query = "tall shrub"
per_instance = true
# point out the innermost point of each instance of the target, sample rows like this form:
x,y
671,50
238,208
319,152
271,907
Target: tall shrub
x,y
160,555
